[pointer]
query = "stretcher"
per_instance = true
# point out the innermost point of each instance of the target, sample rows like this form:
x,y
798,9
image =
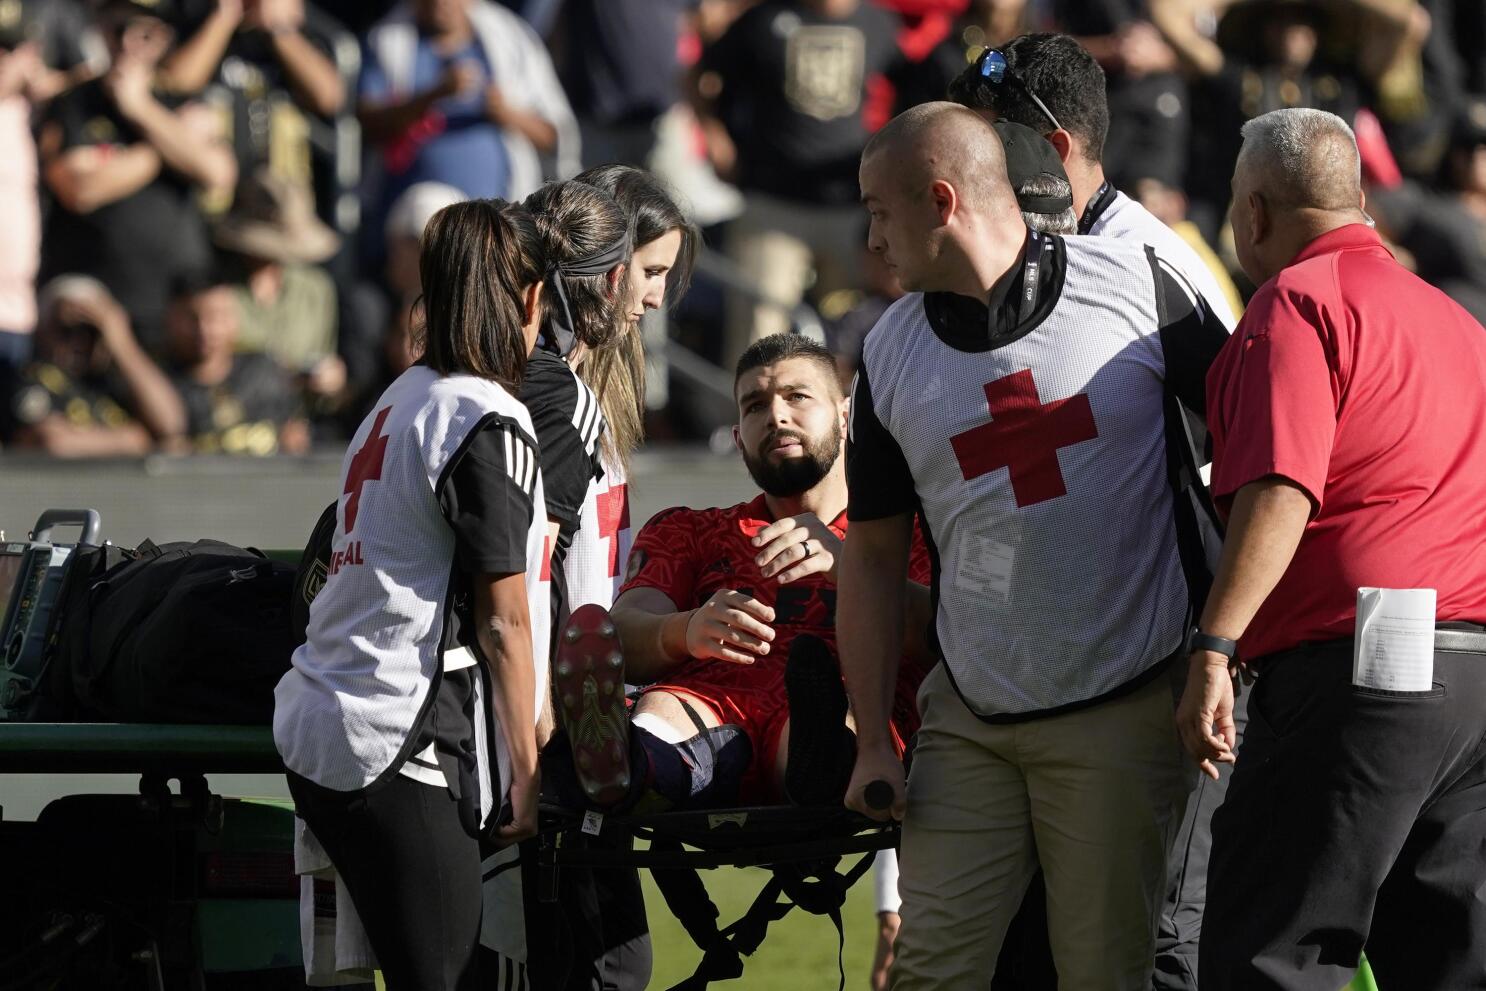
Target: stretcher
x,y
802,848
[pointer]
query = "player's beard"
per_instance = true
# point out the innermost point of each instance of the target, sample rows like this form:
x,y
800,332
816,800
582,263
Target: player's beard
x,y
792,476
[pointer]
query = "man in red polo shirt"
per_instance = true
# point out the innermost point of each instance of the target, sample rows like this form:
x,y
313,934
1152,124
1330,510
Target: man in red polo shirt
x,y
1346,415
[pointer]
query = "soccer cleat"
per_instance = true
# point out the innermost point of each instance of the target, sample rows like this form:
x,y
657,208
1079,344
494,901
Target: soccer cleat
x,y
589,681
821,748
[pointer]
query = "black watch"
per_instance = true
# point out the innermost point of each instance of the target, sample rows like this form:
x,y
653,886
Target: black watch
x,y
1197,640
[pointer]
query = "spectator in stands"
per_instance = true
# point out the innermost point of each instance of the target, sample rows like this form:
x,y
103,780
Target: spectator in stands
x,y
404,233
925,76
1267,55
395,349
235,403
463,92
780,96
1446,232
125,166
20,249
287,303
1148,104
91,390
269,38
274,61
621,73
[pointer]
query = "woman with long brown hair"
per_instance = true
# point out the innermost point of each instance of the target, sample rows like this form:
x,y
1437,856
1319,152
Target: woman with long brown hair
x,y
665,247
423,654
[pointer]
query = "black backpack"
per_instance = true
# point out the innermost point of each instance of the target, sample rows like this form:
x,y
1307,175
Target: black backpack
x,y
178,633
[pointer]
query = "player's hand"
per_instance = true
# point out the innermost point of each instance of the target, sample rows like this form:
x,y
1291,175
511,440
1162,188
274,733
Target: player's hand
x,y
730,626
797,546
1204,719
882,959
525,790
878,763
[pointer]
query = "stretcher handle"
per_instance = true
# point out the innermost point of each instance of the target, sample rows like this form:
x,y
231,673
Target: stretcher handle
x,y
878,795
88,519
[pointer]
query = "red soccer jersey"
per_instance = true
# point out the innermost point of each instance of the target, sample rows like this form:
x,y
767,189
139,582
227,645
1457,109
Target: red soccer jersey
x,y
1362,385
689,554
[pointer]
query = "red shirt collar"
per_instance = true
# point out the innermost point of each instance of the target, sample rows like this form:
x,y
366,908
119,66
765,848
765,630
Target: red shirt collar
x,y
1347,238
754,516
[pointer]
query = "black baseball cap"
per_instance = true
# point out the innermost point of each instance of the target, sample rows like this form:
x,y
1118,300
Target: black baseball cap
x,y
1028,155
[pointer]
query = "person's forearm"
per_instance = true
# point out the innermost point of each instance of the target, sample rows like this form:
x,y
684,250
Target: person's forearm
x,y
533,127
1198,55
654,643
506,645
207,163
384,123
311,75
191,66
1268,518
61,439
156,401
869,634
94,177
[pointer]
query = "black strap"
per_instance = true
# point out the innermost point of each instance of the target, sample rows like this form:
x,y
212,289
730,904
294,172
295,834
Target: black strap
x,y
1096,206
1031,267
723,950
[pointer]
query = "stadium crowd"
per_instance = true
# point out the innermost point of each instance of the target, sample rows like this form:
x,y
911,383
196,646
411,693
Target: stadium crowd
x,y
212,206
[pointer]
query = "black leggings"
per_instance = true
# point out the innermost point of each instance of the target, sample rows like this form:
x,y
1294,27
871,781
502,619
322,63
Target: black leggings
x,y
413,874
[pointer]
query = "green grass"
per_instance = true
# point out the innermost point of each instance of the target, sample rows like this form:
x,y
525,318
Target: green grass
x,y
800,950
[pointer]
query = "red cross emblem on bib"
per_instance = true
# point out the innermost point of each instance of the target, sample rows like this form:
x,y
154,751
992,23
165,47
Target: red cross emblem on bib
x,y
366,466
1024,437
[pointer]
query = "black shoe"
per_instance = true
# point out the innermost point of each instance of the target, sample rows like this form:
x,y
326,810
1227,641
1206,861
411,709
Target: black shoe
x,y
821,748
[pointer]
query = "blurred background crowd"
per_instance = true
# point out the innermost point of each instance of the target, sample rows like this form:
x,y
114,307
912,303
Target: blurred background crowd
x,y
210,209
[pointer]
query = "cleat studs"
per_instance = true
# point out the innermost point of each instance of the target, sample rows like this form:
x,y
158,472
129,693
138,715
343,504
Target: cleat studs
x,y
616,660
624,781
571,634
607,631
564,669
568,701
592,787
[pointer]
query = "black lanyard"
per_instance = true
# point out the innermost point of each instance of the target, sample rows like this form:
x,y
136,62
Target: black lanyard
x,y
1096,206
1031,284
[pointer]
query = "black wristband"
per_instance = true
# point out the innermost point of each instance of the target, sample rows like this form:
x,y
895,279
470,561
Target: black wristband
x,y
1197,640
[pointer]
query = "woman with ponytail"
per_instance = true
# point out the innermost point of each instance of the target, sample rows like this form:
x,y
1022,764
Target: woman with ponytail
x,y
604,911
423,655
585,240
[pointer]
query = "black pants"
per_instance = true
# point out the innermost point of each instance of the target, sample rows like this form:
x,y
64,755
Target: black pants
x,y
1179,928
1356,819
413,874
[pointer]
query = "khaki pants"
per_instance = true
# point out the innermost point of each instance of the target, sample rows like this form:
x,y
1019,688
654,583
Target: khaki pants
x,y
1094,796
784,248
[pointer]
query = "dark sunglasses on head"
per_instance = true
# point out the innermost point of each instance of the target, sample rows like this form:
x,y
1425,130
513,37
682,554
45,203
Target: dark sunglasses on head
x,y
993,68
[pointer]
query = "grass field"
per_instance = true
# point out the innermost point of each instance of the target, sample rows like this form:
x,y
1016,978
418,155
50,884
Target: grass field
x,y
799,953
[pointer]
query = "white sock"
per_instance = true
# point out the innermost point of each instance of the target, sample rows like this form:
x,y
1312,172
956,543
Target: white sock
x,y
660,729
